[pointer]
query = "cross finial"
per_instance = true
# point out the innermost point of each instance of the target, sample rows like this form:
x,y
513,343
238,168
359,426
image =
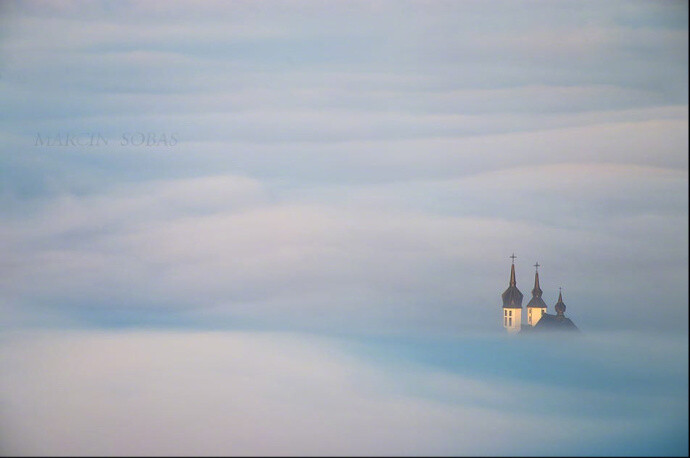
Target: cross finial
x,y
513,257
537,266
559,289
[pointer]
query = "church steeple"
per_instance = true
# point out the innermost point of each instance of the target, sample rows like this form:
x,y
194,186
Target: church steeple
x,y
512,297
560,306
536,306
512,302
536,301
536,291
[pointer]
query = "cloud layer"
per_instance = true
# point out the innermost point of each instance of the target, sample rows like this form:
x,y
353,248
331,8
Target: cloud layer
x,y
365,258
361,167
315,266
133,393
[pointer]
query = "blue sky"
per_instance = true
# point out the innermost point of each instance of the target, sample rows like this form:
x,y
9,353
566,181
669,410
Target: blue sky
x,y
357,172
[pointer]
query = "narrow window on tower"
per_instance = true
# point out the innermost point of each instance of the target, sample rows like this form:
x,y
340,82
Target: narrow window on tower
x,y
510,321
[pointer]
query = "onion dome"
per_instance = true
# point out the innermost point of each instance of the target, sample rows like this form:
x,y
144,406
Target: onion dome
x,y
512,297
536,300
560,306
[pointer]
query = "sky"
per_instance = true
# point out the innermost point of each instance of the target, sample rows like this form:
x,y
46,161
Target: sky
x,y
319,199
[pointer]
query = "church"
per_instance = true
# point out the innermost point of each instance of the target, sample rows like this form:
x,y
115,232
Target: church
x,y
537,318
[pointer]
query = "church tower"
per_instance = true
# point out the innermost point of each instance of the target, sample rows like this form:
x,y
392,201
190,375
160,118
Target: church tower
x,y
560,306
512,303
536,306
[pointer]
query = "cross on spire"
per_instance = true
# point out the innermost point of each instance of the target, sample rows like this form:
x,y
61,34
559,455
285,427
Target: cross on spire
x,y
513,257
537,266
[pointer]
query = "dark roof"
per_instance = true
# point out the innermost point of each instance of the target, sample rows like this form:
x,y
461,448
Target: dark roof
x,y
512,297
555,322
536,300
560,306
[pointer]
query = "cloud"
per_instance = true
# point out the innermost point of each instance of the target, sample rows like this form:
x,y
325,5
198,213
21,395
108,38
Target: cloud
x,y
381,258
357,166
245,393
353,169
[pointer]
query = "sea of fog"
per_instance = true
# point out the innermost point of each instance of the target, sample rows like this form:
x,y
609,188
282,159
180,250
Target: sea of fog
x,y
205,393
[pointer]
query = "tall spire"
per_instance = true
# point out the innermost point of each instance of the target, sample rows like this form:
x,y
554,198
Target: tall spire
x,y
536,300
536,291
512,297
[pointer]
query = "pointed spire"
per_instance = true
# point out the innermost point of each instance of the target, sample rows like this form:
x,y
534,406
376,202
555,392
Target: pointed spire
x,y
560,306
536,291
512,297
536,300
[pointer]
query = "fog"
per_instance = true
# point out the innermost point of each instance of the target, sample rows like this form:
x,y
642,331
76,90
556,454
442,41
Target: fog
x,y
219,393
315,264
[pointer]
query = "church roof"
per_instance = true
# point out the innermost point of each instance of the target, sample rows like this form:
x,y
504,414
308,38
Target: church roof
x,y
560,305
512,297
555,323
536,300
